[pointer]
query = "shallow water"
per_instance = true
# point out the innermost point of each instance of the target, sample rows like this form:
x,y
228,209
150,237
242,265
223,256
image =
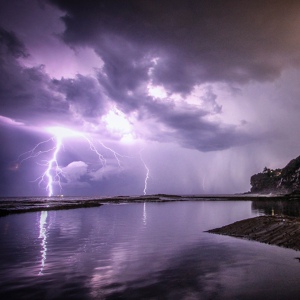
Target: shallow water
x,y
141,251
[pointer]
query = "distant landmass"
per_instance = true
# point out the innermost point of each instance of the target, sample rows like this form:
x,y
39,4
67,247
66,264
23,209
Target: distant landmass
x,y
279,181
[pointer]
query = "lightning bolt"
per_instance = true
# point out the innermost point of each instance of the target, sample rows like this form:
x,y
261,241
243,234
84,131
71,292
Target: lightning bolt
x,y
147,174
36,151
52,164
53,172
94,149
116,155
31,153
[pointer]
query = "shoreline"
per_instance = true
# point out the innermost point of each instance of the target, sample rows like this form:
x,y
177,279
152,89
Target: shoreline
x,y
17,205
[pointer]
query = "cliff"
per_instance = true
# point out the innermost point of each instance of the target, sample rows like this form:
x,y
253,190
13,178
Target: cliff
x,y
280,181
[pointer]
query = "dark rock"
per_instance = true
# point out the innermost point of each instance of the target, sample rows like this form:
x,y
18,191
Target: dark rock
x,y
273,230
280,181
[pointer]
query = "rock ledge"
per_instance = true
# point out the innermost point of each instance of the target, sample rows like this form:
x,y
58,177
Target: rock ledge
x,y
274,230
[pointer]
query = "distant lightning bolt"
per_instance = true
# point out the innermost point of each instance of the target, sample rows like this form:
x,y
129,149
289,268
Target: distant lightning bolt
x,y
94,149
116,155
52,164
147,174
53,172
100,156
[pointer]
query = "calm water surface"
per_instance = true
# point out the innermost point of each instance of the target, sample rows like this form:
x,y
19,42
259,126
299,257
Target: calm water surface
x,y
142,251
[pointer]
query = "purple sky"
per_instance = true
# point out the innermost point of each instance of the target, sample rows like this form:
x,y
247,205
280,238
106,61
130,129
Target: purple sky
x,y
202,94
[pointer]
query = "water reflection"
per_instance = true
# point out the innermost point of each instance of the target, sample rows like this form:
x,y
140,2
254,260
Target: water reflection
x,y
109,253
144,214
278,207
43,237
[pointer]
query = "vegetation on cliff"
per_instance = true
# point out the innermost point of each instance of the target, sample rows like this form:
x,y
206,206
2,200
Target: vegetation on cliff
x,y
281,181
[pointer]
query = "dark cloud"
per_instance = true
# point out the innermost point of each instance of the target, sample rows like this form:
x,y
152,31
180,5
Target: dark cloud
x,y
24,92
179,45
191,129
10,45
176,45
84,94
124,73
196,41
29,94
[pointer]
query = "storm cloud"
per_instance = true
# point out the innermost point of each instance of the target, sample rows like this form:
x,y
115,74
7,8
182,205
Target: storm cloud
x,y
195,41
210,78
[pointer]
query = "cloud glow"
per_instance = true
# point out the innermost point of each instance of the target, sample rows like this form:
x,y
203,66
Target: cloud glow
x,y
157,91
117,122
62,132
9,121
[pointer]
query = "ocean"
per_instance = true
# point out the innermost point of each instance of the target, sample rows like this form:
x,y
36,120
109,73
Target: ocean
x,y
142,250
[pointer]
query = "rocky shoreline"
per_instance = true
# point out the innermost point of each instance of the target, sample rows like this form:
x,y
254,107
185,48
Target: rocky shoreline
x,y
280,181
281,231
28,204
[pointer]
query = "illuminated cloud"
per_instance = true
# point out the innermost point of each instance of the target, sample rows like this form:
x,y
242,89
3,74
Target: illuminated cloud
x,y
9,121
104,172
74,171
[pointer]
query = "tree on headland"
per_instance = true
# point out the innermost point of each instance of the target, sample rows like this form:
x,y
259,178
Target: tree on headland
x,y
267,171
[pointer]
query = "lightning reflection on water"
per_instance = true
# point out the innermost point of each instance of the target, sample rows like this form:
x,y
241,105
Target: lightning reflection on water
x,y
43,237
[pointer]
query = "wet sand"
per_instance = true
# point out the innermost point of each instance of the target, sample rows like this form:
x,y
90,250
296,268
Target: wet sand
x,y
274,230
